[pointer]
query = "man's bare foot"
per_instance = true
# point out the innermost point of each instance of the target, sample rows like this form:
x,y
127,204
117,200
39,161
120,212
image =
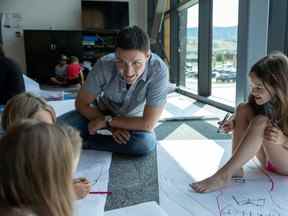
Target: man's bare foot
x,y
239,173
212,183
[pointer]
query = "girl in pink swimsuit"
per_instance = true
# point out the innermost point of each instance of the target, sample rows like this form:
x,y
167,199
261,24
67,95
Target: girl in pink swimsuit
x,y
260,126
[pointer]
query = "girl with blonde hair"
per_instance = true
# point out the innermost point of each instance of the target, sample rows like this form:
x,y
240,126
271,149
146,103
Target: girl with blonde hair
x,y
29,106
37,161
260,126
25,106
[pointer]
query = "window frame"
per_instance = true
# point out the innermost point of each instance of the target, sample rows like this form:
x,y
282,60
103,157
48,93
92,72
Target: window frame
x,y
248,52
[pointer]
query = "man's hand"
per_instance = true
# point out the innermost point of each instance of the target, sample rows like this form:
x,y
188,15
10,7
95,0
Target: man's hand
x,y
274,136
96,124
121,136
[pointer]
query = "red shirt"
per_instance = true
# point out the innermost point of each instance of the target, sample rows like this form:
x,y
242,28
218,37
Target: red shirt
x,y
73,71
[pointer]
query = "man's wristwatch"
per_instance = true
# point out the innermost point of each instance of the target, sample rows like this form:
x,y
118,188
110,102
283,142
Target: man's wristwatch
x,y
108,119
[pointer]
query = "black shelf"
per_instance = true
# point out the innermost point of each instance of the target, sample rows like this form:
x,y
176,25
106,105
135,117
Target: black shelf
x,y
99,42
44,47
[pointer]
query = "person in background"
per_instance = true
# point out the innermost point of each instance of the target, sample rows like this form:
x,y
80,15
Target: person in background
x,y
74,72
28,106
11,79
125,92
60,73
38,160
86,68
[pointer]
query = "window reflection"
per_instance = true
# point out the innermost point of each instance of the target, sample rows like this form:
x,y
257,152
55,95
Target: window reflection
x,y
224,51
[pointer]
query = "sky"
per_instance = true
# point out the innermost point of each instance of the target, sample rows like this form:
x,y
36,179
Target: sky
x,y
225,13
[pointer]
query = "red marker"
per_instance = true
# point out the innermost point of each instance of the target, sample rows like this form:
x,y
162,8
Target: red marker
x,y
101,192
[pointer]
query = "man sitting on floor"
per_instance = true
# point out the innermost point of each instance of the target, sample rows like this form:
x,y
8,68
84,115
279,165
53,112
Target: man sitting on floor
x,y
126,92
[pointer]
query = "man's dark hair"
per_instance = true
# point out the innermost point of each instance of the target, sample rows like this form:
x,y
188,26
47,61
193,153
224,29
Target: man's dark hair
x,y
133,37
1,51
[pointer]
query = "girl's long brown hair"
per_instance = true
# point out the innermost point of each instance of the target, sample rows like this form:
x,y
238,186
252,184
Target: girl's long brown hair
x,y
272,70
36,165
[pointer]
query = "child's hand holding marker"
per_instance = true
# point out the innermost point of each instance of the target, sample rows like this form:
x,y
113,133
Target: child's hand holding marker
x,y
82,187
227,124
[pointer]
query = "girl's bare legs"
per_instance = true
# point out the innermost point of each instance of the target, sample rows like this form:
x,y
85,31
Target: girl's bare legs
x,y
243,116
249,146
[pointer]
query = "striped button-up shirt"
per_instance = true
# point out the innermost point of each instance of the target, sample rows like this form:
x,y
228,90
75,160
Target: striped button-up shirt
x,y
113,96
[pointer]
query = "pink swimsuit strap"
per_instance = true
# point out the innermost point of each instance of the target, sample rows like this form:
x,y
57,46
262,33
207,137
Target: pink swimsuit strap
x,y
270,167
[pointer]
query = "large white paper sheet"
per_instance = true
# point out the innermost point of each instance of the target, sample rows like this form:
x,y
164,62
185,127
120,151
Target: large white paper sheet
x,y
63,106
94,165
143,209
181,162
31,85
34,87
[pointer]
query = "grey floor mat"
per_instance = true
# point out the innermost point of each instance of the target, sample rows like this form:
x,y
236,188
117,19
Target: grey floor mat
x,y
133,180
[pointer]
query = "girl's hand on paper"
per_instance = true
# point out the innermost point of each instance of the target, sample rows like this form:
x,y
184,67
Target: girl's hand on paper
x,y
82,187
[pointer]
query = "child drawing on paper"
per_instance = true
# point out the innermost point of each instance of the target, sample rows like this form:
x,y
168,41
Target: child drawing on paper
x,y
260,126
29,106
38,160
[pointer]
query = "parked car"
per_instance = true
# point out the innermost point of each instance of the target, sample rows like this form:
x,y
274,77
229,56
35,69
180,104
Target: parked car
x,y
226,77
190,73
216,73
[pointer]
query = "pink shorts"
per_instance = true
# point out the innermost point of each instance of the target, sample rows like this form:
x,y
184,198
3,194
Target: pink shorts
x,y
270,167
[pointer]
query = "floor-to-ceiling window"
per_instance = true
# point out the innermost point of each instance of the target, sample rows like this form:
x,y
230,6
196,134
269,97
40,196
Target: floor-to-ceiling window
x,y
203,50
188,47
224,51
166,37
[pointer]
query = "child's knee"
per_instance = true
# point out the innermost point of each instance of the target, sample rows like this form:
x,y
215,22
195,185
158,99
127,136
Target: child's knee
x,y
244,109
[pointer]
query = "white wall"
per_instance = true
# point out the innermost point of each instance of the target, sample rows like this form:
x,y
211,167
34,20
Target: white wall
x,y
54,14
138,13
38,14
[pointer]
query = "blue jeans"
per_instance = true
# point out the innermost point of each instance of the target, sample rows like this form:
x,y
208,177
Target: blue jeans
x,y
140,142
